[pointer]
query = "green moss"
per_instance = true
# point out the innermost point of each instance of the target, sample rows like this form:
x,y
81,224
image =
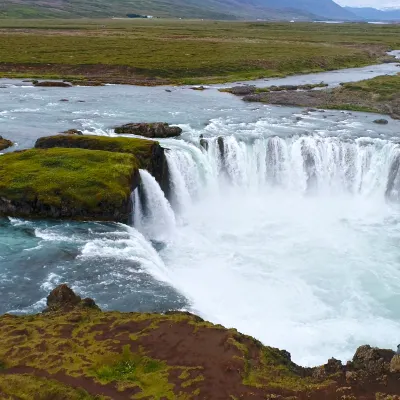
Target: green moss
x,y
140,148
80,179
28,387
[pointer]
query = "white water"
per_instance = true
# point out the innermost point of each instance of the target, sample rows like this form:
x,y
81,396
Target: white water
x,y
290,240
158,220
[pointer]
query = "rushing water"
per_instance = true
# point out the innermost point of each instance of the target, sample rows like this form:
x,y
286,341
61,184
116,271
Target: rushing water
x,y
286,227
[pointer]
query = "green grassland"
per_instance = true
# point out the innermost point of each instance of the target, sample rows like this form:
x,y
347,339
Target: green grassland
x,y
185,51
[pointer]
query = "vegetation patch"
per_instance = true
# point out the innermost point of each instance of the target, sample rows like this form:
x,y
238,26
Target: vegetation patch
x,y
74,183
154,51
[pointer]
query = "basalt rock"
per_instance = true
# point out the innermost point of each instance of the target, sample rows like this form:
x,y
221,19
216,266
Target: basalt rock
x,y
52,84
381,121
150,130
72,132
63,299
204,144
372,361
5,144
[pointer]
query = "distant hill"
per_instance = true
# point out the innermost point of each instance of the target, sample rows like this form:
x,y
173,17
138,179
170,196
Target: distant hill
x,y
372,14
327,9
209,9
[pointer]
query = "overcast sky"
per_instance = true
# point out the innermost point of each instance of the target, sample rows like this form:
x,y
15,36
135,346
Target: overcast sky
x,y
370,3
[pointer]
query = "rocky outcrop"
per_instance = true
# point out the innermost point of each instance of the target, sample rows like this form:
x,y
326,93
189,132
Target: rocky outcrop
x,y
72,132
75,351
62,183
58,84
148,154
5,144
150,130
63,299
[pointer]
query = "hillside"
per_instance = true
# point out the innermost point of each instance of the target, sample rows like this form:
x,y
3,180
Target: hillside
x,y
372,14
209,9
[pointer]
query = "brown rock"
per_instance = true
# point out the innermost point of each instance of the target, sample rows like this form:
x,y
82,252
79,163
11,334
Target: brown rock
x,y
373,361
62,298
72,132
5,144
52,84
150,130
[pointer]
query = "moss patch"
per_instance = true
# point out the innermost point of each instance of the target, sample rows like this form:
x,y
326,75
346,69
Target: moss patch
x,y
140,148
140,356
83,184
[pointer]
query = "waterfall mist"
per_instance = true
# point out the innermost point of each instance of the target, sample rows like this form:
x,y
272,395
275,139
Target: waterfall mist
x,y
289,239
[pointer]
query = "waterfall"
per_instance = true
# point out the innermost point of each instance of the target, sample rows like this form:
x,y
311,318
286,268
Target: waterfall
x,y
153,216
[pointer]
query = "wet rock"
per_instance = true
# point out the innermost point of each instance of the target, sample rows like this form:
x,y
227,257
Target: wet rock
x,y
72,132
150,130
64,100
62,298
4,143
381,121
204,144
52,84
221,146
168,90
200,88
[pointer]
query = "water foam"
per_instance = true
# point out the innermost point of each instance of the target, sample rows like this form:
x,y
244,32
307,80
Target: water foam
x,y
294,245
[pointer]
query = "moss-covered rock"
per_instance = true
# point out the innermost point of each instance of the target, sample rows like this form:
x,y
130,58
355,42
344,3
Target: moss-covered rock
x,y
84,354
67,183
4,143
148,154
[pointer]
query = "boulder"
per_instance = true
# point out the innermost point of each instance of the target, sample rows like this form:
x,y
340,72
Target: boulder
x,y
150,130
242,90
372,361
62,298
72,132
200,88
52,84
4,143
381,121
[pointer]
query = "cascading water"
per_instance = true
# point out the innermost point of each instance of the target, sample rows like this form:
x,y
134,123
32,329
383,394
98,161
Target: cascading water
x,y
154,216
282,239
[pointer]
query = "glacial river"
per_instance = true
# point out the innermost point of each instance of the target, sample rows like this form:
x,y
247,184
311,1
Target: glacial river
x,y
292,236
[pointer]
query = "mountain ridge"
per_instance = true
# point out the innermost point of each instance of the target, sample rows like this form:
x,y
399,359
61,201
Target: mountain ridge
x,y
209,9
370,13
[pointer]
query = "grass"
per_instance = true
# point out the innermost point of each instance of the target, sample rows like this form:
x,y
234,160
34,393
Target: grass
x,y
382,87
187,52
26,387
76,178
114,349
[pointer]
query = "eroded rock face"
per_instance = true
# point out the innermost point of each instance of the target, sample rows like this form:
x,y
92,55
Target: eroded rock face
x,y
5,144
372,360
62,298
150,130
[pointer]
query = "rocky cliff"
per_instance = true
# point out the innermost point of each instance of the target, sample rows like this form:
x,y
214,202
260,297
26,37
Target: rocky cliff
x,y
78,177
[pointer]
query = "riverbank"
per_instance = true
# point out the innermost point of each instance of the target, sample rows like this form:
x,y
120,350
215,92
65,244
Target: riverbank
x,y
74,350
379,95
160,52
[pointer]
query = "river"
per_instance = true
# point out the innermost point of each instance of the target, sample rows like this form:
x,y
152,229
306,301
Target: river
x,y
291,237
